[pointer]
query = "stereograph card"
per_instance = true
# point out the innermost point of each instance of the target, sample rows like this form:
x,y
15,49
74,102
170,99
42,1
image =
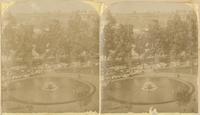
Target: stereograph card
x,y
90,57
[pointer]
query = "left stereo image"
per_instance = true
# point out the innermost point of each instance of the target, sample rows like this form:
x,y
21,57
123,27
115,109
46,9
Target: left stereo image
x,y
50,57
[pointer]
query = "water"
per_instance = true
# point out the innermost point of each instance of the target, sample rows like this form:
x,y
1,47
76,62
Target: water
x,y
32,90
130,90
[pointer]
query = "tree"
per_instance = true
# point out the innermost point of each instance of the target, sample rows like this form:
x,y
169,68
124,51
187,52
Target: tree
x,y
24,49
141,45
9,35
154,39
94,35
55,36
192,47
118,39
9,41
123,42
76,35
81,37
109,33
177,35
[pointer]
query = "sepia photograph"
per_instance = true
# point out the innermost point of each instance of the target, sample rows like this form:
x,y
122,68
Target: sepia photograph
x,y
49,57
99,57
150,58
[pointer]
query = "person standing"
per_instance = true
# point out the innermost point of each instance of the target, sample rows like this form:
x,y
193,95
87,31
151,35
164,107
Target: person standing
x,y
153,111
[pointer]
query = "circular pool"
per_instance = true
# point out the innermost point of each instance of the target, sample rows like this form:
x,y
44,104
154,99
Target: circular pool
x,y
50,89
147,89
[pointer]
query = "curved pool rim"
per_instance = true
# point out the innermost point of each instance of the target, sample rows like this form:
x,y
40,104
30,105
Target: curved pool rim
x,y
90,85
188,84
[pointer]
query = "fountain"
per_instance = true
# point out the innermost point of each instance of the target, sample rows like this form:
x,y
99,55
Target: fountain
x,y
49,86
146,89
149,86
48,89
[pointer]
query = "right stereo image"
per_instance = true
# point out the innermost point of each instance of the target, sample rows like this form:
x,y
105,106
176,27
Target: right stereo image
x,y
150,58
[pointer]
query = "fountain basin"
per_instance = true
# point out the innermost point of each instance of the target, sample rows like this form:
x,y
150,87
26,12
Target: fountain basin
x,y
50,90
133,90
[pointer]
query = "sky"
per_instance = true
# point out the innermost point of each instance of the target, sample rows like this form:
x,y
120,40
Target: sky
x,y
127,7
29,6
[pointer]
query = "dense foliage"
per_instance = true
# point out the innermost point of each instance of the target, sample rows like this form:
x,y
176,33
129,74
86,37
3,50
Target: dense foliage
x,y
74,39
177,40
